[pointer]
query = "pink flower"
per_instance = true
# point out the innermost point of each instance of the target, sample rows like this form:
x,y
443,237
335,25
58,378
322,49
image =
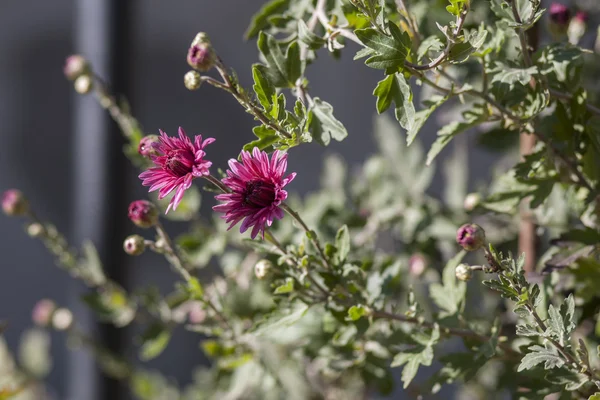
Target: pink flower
x,y
256,190
178,162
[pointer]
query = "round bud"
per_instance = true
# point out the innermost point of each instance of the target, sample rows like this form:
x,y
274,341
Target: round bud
x,y
196,314
134,245
35,230
463,272
472,200
201,56
83,84
471,237
143,213
14,203
200,38
577,27
62,319
75,66
146,147
192,80
262,268
42,312
417,264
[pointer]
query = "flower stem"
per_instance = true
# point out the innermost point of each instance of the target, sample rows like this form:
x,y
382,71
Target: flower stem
x,y
172,255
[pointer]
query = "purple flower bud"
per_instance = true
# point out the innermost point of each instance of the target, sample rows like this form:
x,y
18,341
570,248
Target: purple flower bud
x,y
201,56
463,272
75,66
560,14
42,312
14,203
143,213
134,245
471,237
146,147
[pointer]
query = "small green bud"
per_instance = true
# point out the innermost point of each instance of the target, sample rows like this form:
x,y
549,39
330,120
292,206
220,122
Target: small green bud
x,y
35,230
463,272
134,245
83,84
262,268
192,80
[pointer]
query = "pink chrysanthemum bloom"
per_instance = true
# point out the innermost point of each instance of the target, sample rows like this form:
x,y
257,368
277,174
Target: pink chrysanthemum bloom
x,y
256,190
178,162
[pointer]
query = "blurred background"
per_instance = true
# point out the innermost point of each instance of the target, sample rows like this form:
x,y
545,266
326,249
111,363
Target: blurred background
x,y
65,154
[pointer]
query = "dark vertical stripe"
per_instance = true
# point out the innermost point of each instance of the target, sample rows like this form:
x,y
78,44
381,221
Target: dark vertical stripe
x,y
99,198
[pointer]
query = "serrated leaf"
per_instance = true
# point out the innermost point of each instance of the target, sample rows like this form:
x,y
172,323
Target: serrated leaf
x,y
263,88
322,123
547,355
281,70
432,43
287,287
261,18
422,116
460,52
154,341
449,295
419,355
527,330
509,76
389,51
395,88
267,137
314,42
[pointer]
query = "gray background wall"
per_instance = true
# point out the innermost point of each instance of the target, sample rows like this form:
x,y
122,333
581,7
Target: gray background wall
x,y
36,105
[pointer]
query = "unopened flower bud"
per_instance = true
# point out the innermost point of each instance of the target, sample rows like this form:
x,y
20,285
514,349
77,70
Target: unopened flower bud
x,y
577,27
143,213
471,237
14,203
146,147
200,54
134,245
75,66
472,200
83,84
463,272
559,19
42,312
262,268
62,319
417,264
192,80
196,314
35,229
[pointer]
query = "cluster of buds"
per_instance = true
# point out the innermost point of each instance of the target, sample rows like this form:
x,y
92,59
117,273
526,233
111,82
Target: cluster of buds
x,y
78,70
14,203
201,57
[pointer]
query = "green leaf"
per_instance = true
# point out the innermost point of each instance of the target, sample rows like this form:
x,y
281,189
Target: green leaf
x,y
287,287
460,52
561,321
432,43
91,265
547,355
395,88
508,76
342,243
263,88
260,20
281,70
455,7
356,312
570,380
595,396
477,115
313,41
527,330
322,123
417,356
195,289
449,295
267,137
154,340
389,51
422,116
34,354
